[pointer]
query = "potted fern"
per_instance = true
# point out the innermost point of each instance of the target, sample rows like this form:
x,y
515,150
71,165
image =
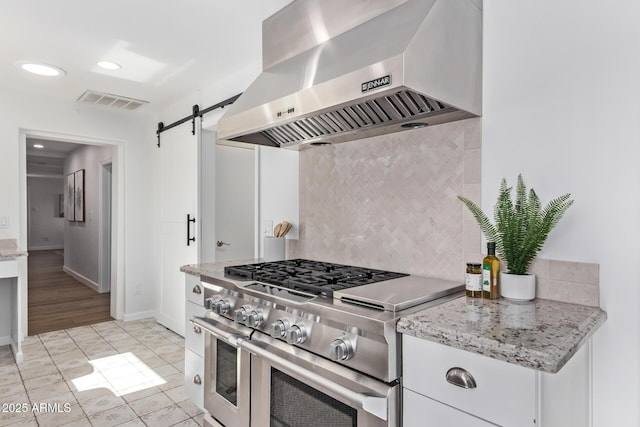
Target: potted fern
x,y
520,230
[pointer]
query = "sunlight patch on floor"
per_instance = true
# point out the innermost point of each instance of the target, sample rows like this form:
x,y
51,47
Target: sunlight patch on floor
x,y
122,374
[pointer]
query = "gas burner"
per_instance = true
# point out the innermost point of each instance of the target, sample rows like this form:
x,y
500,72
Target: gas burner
x,y
315,277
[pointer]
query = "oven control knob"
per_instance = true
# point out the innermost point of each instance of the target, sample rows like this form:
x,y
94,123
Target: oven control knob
x,y
210,302
296,334
279,328
254,319
240,315
221,306
341,349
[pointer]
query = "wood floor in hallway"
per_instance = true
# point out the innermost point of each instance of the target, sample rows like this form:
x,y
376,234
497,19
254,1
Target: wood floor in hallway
x,y
58,301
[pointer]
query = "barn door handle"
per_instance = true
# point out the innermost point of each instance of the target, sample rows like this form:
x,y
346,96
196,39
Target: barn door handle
x,y
189,221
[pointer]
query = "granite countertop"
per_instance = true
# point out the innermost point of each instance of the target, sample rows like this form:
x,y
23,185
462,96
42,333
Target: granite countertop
x,y
214,267
9,249
540,334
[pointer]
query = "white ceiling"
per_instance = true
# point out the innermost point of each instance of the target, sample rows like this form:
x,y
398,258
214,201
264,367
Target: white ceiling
x,y
168,48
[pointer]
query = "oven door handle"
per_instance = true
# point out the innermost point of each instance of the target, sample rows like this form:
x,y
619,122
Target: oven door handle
x,y
230,337
373,404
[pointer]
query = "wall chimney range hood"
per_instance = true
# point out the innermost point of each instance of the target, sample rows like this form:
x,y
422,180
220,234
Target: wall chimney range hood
x,y
336,71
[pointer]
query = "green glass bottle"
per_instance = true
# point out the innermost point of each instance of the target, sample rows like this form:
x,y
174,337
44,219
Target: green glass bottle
x,y
491,273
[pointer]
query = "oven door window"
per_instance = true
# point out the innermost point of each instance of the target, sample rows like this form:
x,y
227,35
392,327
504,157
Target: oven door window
x,y
295,404
227,372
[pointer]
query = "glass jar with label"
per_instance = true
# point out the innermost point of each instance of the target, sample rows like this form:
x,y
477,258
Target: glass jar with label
x,y
473,280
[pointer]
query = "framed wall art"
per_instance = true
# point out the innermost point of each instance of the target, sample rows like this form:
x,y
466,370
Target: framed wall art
x,y
79,195
70,195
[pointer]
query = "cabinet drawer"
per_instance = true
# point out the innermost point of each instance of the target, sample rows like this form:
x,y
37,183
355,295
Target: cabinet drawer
x,y
420,411
504,394
8,268
194,290
194,378
193,335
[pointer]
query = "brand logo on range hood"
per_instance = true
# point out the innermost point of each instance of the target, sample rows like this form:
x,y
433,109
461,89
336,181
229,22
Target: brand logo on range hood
x,y
376,83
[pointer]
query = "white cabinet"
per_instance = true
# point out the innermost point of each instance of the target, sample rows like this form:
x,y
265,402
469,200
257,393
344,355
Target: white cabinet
x,y
420,411
194,341
504,394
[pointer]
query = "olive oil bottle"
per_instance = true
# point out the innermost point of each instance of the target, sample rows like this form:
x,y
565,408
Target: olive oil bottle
x,y
491,273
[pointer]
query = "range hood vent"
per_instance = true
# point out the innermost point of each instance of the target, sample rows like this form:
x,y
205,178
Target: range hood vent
x,y
384,66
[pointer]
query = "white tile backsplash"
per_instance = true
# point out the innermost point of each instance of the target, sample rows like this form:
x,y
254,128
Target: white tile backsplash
x,y
390,201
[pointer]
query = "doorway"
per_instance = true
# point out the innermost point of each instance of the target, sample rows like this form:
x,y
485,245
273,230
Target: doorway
x,y
79,280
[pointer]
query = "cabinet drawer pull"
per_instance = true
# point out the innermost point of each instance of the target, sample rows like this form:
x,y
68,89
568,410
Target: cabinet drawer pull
x,y
197,289
461,378
197,380
197,329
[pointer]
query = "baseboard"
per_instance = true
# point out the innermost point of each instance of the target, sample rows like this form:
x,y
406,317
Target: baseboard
x,y
82,279
45,248
128,317
5,340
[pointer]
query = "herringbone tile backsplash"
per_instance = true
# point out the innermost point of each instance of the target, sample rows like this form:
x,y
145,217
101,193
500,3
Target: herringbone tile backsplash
x,y
390,201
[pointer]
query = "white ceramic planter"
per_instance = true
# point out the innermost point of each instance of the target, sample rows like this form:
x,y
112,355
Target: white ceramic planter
x,y
518,287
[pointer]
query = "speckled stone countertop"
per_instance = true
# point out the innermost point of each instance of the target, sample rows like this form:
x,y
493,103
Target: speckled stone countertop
x,y
9,249
540,334
213,267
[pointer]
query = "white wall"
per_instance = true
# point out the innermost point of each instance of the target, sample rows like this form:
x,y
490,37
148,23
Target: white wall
x,y
134,131
46,228
561,87
278,194
82,239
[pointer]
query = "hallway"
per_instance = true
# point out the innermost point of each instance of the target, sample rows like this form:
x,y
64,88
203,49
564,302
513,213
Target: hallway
x,y
58,301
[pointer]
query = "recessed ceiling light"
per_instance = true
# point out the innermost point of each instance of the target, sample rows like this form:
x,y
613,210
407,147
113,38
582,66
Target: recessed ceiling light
x,y
38,146
108,65
42,69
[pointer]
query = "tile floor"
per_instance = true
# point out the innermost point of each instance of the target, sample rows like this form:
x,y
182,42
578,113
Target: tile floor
x,y
108,374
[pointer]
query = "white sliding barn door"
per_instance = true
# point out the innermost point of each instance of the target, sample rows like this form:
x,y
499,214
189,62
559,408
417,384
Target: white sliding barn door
x,y
179,199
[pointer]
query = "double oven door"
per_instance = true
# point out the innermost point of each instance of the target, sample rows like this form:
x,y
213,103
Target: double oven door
x,y
254,380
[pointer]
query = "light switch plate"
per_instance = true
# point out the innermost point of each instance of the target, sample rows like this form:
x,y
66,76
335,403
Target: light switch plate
x,y
268,227
4,222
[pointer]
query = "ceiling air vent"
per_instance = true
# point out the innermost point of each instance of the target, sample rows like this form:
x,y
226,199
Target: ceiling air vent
x,y
111,100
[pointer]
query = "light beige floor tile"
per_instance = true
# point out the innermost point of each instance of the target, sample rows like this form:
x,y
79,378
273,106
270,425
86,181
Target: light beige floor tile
x,y
62,348
179,365
35,354
165,370
172,381
32,346
11,389
53,336
137,393
50,389
190,408
81,373
124,370
68,355
25,422
101,403
133,423
8,369
74,363
151,362
54,417
10,378
126,383
35,383
150,404
40,371
31,340
85,395
187,423
13,418
165,417
35,363
177,394
113,417
199,419
61,399
80,422
174,357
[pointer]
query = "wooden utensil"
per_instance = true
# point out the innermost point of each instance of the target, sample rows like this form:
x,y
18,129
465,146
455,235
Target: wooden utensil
x,y
286,230
276,230
283,229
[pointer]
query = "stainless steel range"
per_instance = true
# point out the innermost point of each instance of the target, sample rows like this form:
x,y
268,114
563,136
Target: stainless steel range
x,y
305,343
